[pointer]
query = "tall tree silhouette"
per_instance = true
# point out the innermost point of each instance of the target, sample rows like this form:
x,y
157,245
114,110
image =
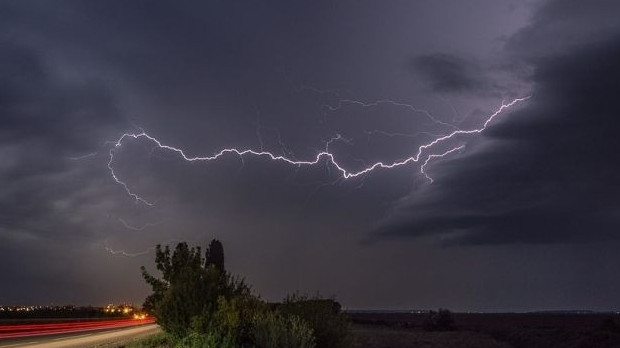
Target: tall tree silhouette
x,y
189,292
215,255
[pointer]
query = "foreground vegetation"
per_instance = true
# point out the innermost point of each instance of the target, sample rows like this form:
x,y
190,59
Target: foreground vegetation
x,y
472,330
199,304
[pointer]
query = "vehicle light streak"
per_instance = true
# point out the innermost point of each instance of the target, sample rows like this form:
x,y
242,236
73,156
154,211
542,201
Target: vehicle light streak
x,y
22,330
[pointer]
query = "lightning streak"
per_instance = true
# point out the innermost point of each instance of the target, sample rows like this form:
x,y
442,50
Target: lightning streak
x,y
140,253
124,253
120,182
430,157
325,155
135,228
342,101
389,102
77,158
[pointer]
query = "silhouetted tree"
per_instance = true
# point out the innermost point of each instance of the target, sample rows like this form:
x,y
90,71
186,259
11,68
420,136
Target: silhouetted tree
x,y
188,292
215,255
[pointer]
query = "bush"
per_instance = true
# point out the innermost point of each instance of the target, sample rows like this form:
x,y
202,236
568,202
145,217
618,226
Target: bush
x,y
275,330
330,326
231,324
246,321
439,321
198,304
188,294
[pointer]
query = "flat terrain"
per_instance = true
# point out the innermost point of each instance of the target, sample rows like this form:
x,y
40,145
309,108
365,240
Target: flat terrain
x,y
370,336
404,330
103,338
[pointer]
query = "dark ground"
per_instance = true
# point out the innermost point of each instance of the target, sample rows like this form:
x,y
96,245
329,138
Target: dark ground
x,y
532,330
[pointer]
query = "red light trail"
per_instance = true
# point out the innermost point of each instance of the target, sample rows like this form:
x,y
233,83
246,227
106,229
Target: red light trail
x,y
24,330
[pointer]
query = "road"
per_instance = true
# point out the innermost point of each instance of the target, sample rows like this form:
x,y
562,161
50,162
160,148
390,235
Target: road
x,y
46,328
82,339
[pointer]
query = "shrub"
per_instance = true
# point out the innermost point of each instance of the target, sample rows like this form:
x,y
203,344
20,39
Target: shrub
x,y
187,296
331,327
275,330
201,340
161,340
231,324
198,304
439,321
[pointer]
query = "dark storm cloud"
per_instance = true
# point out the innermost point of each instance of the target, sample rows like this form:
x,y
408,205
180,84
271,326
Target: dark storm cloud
x,y
446,73
200,73
557,26
40,107
45,120
46,198
202,76
546,174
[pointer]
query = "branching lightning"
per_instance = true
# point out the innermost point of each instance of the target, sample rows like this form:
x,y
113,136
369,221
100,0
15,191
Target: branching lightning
x,y
122,183
128,254
389,102
430,157
423,151
119,252
137,228
88,155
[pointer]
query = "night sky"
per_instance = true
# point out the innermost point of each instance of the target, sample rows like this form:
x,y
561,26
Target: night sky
x,y
521,214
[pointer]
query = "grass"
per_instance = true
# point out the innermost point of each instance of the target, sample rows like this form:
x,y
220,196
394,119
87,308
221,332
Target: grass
x,y
160,340
474,331
370,336
373,336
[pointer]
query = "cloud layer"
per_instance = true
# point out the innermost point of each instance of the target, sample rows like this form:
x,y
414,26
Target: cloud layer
x,y
535,190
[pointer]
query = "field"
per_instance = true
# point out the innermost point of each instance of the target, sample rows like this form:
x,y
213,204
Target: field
x,y
544,330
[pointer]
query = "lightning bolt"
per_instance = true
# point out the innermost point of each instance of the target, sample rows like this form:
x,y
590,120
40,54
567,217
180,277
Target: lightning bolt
x,y
136,228
124,253
340,102
88,155
430,157
413,109
139,253
117,144
324,155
